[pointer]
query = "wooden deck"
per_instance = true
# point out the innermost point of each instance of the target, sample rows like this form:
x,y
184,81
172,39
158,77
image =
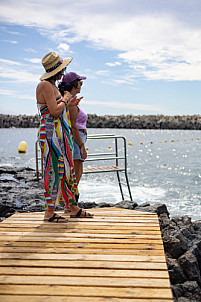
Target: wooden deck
x,y
116,256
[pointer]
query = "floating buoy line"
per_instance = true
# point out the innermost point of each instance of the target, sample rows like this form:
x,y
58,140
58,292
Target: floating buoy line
x,y
23,145
172,140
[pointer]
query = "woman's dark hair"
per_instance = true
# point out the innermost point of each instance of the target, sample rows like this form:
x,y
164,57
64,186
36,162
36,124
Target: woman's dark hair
x,y
56,76
65,87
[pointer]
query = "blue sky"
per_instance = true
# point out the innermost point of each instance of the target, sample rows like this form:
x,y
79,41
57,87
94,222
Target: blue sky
x,y
139,56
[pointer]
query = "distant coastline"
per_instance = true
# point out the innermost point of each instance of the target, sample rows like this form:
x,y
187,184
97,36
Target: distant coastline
x,y
184,122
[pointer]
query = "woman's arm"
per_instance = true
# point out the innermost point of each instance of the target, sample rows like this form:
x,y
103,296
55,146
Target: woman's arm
x,y
50,99
73,116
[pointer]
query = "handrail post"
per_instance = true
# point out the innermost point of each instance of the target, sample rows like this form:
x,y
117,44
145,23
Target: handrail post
x,y
36,151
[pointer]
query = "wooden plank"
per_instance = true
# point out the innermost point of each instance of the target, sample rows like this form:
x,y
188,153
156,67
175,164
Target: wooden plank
x,y
83,264
97,272
82,235
102,245
102,169
82,281
111,219
42,298
86,257
87,291
78,240
93,229
39,224
81,251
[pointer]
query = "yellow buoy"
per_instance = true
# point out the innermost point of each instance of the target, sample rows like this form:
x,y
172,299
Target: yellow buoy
x,y
198,138
151,142
109,147
172,140
87,148
141,143
165,141
160,141
130,143
22,147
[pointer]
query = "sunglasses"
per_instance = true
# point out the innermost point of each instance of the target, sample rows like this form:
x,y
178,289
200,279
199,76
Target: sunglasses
x,y
63,71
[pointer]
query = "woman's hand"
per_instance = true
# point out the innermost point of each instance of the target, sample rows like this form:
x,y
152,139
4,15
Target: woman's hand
x,y
83,152
67,96
74,101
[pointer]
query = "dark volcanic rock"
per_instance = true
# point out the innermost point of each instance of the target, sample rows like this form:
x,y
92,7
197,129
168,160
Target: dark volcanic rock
x,y
126,204
182,244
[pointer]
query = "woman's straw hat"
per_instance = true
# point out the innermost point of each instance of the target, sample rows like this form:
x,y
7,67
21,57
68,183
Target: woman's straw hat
x,y
53,63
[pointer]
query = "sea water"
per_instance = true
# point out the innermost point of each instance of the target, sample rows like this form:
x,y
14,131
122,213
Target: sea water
x,y
164,166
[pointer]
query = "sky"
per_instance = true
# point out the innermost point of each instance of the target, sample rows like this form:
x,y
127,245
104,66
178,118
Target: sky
x,y
140,57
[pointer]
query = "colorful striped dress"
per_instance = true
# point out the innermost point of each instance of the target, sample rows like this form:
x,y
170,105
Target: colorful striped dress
x,y
56,144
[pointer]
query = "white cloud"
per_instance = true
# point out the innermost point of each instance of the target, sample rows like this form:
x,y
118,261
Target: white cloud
x,y
35,61
18,72
10,41
113,64
63,48
156,44
102,72
7,92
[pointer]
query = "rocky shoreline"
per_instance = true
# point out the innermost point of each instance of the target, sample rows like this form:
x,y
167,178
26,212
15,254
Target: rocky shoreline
x,y
188,122
20,191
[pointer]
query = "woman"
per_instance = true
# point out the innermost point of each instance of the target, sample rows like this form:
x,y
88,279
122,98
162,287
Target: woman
x,y
72,83
55,139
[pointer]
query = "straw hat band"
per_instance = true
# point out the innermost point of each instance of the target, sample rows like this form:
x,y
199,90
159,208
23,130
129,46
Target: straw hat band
x,y
54,67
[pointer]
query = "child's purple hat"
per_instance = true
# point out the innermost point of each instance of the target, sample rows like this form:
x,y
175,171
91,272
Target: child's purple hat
x,y
71,77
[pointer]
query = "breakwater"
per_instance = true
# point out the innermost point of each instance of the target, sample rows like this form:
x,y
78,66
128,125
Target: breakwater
x,y
184,122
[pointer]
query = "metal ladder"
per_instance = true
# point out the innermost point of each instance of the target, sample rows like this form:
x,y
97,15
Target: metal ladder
x,y
119,162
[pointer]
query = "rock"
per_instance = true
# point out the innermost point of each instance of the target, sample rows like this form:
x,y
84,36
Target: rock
x,y
87,205
192,291
183,299
6,211
104,205
156,208
190,265
175,271
126,204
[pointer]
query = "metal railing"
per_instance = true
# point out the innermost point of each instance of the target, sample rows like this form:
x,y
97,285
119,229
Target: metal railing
x,y
119,161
